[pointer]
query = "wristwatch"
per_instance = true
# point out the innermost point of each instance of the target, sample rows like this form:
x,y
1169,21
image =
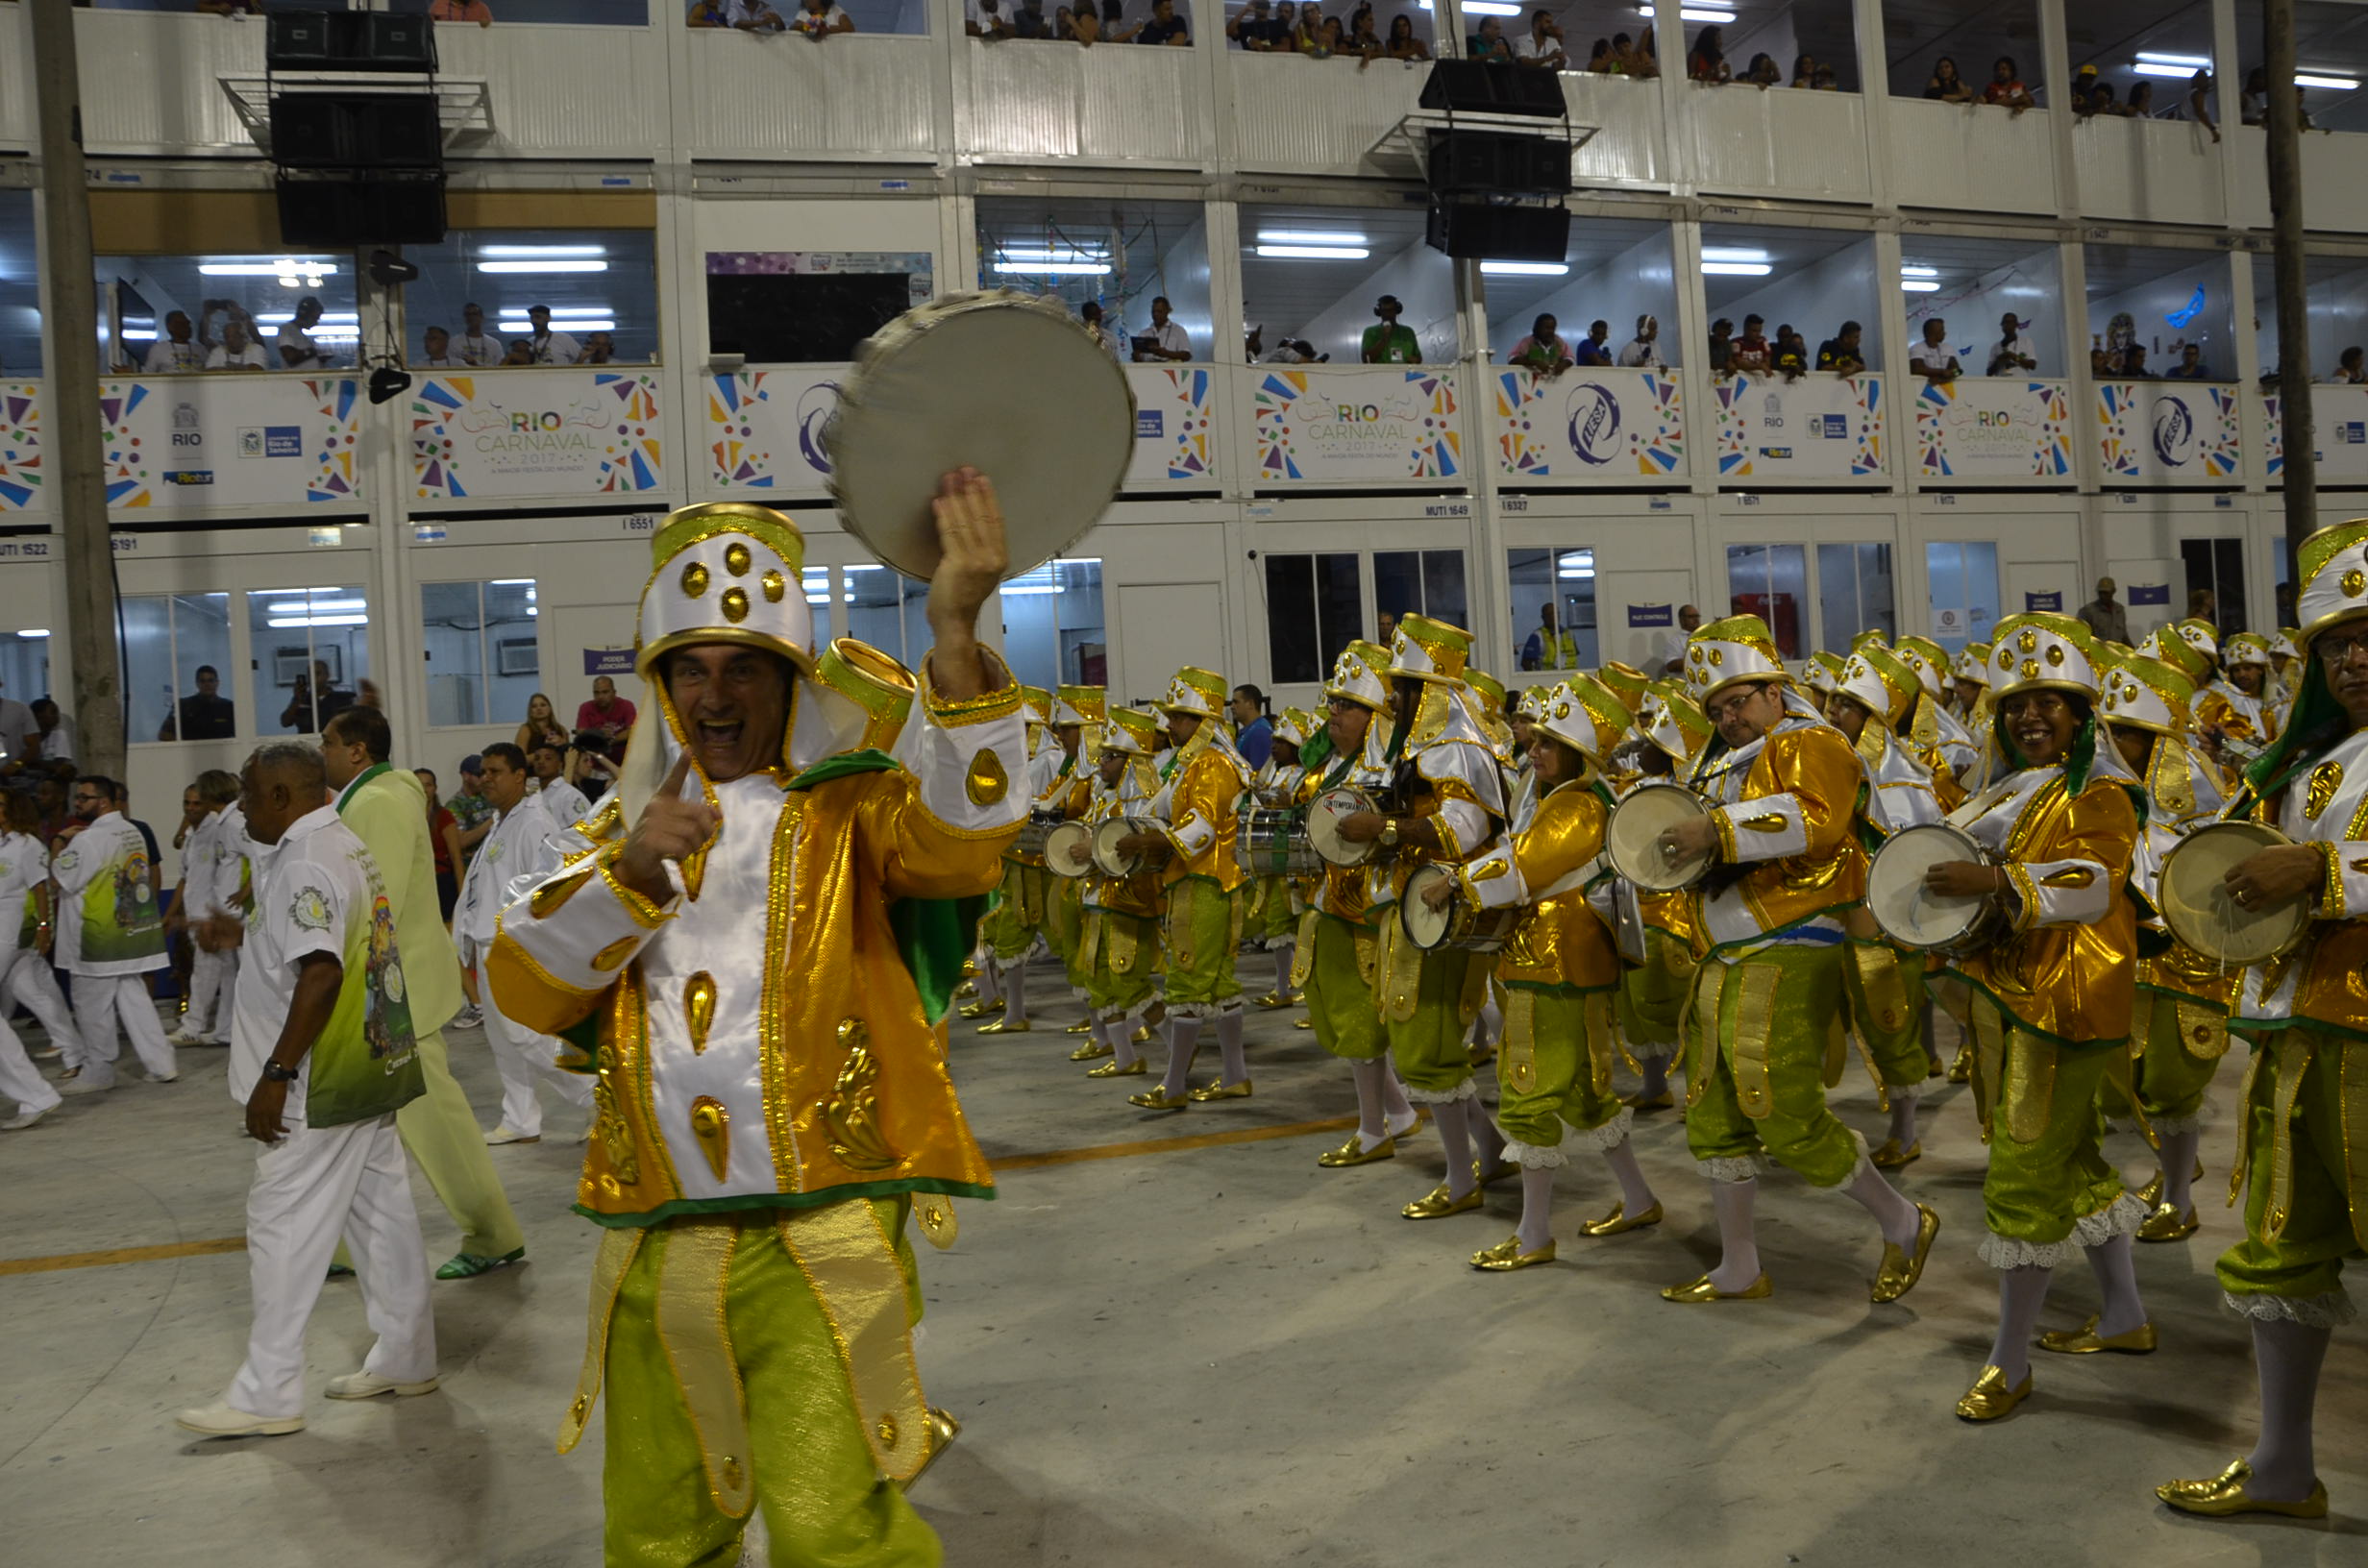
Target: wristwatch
x,y
1388,834
275,1074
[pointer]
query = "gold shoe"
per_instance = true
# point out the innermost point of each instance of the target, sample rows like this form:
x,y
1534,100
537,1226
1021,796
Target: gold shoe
x,y
2226,1494
1438,1204
1219,1092
979,1009
1961,1071
2167,1224
1899,1271
1507,1254
1275,1000
1480,1056
1701,1290
1152,1099
1144,1036
1303,1023
1891,1157
1408,1131
1355,1152
1662,1101
2150,1194
1495,1173
1111,1069
2084,1340
968,988
1083,1026
1617,1221
1932,1068
1990,1399
1001,1027
1089,1051
944,1429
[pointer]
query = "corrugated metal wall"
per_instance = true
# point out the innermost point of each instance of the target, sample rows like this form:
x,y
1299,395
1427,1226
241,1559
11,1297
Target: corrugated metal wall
x,y
1971,156
1778,142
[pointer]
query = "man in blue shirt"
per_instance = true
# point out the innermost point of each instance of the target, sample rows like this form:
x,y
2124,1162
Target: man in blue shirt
x,y
1596,349
1253,737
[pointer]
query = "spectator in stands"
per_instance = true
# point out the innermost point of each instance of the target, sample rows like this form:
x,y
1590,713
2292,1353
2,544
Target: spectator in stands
x,y
606,714
461,11
2190,366
541,727
1642,351
600,349
818,19
2133,365
1542,46
1165,27
205,714
2084,91
2349,371
1065,24
547,347
476,346
2103,617
2010,355
521,353
1722,347
1945,86
1166,340
1595,349
1825,79
443,840
1543,350
1840,353
1029,21
1752,355
1387,623
1086,27
1789,353
297,349
1763,73
1363,41
1390,343
313,701
1933,360
1090,313
1646,63
741,16
2006,90
2199,102
236,351
1402,43
1550,646
436,346
985,20
2141,103
1599,59
213,315
1251,30
1708,61
2253,104
1804,71
1623,61
2101,100
173,354
1488,43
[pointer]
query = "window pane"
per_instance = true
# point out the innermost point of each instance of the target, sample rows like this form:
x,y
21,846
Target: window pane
x,y
24,661
148,662
204,709
817,583
2215,572
309,647
1398,583
513,655
1961,592
20,294
915,597
1443,587
141,296
454,634
1292,653
873,611
1853,587
1772,582
600,284
1085,644
1340,608
1565,578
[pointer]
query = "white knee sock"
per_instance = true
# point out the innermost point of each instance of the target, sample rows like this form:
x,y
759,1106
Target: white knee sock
x,y
1903,1119
1488,1143
1892,1211
2117,1281
1282,964
1739,1242
1119,1034
2021,1293
1394,1103
1491,1023
1183,1040
2179,1167
1536,1229
1636,1194
2287,1357
1234,1062
1455,1137
990,978
1371,1125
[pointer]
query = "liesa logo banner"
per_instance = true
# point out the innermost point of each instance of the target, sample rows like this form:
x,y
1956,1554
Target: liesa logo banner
x,y
1591,421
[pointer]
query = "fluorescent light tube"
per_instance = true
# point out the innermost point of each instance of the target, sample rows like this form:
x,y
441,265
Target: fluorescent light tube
x,y
1918,286
1088,269
1737,269
542,266
543,249
2332,84
1909,270
1314,253
1307,237
2193,62
1732,253
1525,269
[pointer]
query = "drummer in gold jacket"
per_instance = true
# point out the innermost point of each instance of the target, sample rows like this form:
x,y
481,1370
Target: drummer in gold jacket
x,y
1268,915
2302,1149
1669,732
1078,713
1012,927
2051,999
1560,971
1117,945
1781,784
2179,1030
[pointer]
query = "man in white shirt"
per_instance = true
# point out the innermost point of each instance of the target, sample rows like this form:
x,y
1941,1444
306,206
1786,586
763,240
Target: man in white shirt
x,y
109,937
550,347
24,870
214,863
1643,351
1669,651
322,1057
297,349
18,729
173,354
1169,341
1090,313
439,355
56,732
2013,353
476,346
1542,46
236,351
565,802
513,857
1933,360
985,20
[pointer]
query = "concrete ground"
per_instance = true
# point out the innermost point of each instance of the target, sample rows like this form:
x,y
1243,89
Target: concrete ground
x,y
1186,1346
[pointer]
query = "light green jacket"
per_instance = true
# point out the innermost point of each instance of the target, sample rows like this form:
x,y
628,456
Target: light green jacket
x,y
388,810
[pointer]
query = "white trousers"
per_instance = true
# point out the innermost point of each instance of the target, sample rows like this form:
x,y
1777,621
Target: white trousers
x,y
214,979
99,1000
28,981
523,1056
19,1081
308,1187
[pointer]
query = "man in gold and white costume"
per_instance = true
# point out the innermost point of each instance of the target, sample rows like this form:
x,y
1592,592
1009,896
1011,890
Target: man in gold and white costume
x,y
1009,936
1671,731
2234,711
1945,742
752,960
1076,712
2303,1150
1120,943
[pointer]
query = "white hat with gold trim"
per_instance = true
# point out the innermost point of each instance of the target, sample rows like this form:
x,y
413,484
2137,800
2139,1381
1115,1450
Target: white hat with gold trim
x,y
1361,676
1721,652
1134,732
1078,705
1973,664
2335,573
1531,700
1197,691
1675,723
1880,678
1823,671
2145,692
2281,647
1585,715
1429,650
2043,650
726,572
1295,726
2245,648
2201,635
1928,660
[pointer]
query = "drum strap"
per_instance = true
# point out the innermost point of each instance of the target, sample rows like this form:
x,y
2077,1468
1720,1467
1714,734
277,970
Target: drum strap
x,y
1698,1035
1088,941
1600,1038
2294,1050
1303,954
1401,974
2244,1123
2030,1086
1990,1040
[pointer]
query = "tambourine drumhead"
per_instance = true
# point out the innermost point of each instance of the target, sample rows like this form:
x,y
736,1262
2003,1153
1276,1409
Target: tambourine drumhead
x,y
1006,384
1632,837
1069,850
1426,927
1324,826
2193,896
1107,857
1908,912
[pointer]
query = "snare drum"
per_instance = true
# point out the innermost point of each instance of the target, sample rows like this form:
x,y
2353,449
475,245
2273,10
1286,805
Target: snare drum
x,y
1457,924
1108,858
1033,834
1269,838
2193,896
1069,850
1913,916
1632,837
1324,816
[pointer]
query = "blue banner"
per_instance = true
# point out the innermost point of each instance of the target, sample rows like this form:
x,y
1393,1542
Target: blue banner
x,y
1652,615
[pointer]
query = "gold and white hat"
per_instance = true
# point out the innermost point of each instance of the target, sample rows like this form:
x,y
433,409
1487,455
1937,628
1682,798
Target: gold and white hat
x,y
1823,671
2201,635
1038,702
1973,664
2147,694
2043,650
1428,650
1721,652
1928,660
1295,726
2281,647
2335,573
1675,723
1585,715
726,572
2177,651
1489,690
1881,680
860,701
1079,705
1361,676
1196,691
1531,702
1134,732
1626,682
2245,648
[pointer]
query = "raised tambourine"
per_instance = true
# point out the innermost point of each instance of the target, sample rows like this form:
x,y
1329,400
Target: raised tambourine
x,y
1913,915
2193,896
1632,837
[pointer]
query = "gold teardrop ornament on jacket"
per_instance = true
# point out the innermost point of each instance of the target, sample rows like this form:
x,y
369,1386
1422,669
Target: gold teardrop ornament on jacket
x,y
935,1211
851,1115
711,1125
699,1008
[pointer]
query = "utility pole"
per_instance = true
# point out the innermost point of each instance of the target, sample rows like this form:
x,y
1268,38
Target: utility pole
x,y
73,330
2286,210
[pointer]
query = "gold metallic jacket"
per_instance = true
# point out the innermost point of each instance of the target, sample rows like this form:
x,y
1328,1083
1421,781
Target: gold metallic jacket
x,y
2323,982
1562,939
1783,807
1201,807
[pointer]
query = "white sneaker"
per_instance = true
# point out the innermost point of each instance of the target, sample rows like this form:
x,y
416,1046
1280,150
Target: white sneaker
x,y
183,1037
164,1078
506,1134
19,1123
49,1053
469,1017
369,1386
79,1084
220,1419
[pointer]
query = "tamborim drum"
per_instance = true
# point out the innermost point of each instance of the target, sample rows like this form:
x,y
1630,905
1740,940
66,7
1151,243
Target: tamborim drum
x,y
1458,924
1266,838
1003,382
1069,850
1913,915
1108,858
2193,896
1324,816
1632,837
